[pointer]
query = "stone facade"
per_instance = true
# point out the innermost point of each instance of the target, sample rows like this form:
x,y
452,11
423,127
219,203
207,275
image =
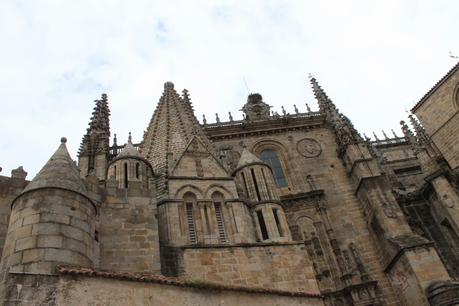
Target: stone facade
x,y
241,212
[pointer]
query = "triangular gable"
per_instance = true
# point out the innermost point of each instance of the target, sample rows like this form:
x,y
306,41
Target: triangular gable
x,y
198,161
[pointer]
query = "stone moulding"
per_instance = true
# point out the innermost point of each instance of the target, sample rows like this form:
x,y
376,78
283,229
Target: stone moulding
x,y
159,279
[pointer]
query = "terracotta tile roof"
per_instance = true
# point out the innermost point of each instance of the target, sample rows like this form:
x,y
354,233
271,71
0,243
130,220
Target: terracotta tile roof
x,y
440,82
160,279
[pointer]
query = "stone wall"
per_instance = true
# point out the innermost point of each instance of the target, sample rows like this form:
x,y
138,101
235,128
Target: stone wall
x,y
439,114
320,168
129,232
97,291
9,189
48,227
283,266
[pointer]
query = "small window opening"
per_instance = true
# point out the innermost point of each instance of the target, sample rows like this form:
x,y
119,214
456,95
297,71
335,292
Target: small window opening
x,y
245,184
96,236
276,217
261,222
220,222
255,184
137,170
190,220
125,175
114,171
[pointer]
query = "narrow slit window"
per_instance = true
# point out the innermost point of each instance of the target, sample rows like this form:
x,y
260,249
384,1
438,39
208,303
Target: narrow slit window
x,y
261,222
126,175
137,170
270,157
255,184
220,222
114,171
245,184
277,219
190,220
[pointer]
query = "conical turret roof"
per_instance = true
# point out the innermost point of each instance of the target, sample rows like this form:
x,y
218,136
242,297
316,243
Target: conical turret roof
x,y
59,172
248,158
170,130
129,149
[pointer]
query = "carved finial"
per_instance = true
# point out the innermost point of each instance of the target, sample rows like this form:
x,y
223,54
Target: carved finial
x,y
308,108
230,117
204,121
384,133
63,140
283,111
376,137
217,118
296,109
393,132
367,139
130,137
114,139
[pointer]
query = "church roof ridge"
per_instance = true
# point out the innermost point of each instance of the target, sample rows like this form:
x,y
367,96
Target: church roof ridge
x,y
438,84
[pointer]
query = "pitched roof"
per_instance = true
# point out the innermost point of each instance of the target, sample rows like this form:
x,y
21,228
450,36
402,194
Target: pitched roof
x,y
174,281
59,172
436,86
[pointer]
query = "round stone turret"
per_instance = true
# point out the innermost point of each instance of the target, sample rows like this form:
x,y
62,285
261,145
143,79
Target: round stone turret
x,y
52,221
257,180
129,169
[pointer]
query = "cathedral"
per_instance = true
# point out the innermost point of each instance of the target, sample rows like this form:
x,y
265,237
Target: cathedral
x,y
273,209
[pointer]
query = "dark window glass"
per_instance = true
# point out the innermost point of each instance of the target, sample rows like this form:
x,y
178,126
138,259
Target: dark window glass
x,y
270,157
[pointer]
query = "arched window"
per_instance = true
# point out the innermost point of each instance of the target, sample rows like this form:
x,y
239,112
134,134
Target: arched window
x,y
217,198
190,200
270,157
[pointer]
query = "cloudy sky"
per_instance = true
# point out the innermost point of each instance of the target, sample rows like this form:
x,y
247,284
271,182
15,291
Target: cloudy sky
x,y
375,59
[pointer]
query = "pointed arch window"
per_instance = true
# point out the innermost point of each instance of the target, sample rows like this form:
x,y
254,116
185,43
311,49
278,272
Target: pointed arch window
x,y
190,201
270,157
217,199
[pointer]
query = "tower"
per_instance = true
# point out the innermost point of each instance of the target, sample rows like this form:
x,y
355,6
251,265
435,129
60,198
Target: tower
x,y
261,193
128,168
52,221
93,153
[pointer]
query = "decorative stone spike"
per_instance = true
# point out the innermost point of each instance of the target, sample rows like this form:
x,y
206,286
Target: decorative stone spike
x,y
130,137
97,137
204,120
393,132
308,108
283,111
421,134
376,137
296,109
230,117
384,134
114,140
217,118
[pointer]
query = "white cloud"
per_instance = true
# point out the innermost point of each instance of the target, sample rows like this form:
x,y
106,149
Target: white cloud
x,y
374,58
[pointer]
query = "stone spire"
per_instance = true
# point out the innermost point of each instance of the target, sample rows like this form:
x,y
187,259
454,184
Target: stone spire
x,y
343,127
59,172
97,135
171,128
